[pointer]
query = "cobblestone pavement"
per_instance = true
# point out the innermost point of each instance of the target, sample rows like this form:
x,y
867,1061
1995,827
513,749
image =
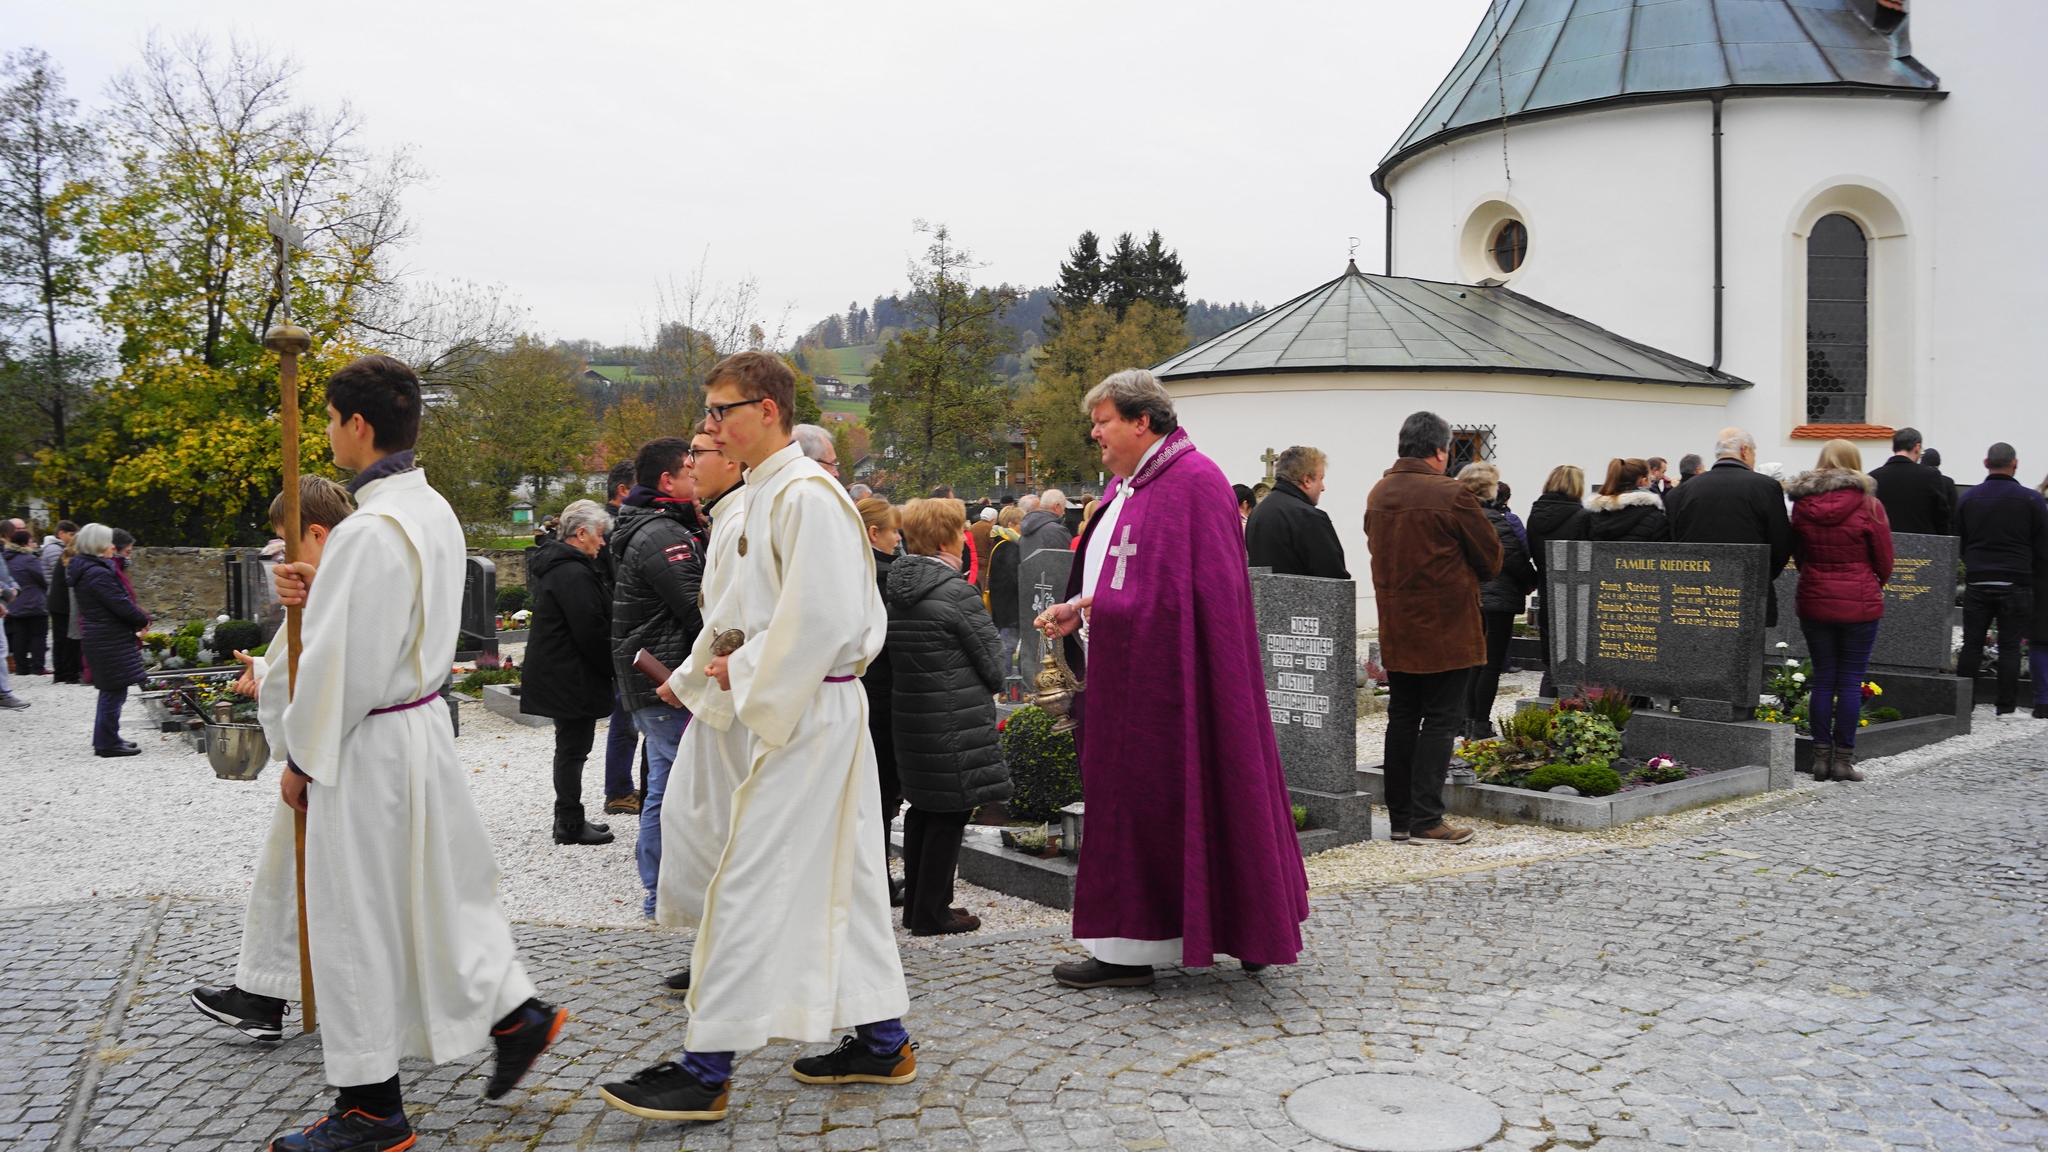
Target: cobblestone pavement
x,y
1864,971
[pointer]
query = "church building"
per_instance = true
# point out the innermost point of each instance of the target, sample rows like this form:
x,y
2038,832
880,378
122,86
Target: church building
x,y
1621,225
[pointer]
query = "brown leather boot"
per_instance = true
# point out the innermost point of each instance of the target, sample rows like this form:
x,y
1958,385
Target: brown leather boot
x,y
1844,766
1823,761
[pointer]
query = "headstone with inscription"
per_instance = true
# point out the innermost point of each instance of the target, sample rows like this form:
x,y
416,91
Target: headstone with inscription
x,y
479,609
1915,633
1684,621
1041,582
1308,643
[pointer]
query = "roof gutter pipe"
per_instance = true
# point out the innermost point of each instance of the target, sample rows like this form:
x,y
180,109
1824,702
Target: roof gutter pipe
x,y
1388,194
1718,287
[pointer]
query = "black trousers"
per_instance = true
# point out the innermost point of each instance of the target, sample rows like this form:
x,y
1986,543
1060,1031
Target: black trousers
x,y
573,739
1425,711
2013,608
65,666
26,638
1500,626
931,853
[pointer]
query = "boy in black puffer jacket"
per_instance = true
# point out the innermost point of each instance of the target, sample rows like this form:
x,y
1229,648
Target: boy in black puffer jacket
x,y
947,666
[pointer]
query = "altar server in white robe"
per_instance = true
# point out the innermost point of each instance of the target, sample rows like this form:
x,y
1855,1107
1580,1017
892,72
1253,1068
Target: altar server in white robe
x,y
411,953
711,763
795,940
267,974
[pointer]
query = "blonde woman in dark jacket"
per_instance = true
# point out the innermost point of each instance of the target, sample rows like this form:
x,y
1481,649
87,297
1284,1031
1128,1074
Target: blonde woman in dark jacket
x,y
946,664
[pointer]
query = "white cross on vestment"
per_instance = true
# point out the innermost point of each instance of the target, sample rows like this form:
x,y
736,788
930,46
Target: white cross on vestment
x,y
1123,552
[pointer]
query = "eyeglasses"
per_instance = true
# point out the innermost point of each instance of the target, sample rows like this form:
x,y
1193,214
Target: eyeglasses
x,y
717,411
693,453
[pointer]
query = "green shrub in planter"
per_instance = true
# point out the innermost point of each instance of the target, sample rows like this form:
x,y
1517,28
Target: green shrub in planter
x,y
513,599
1584,737
186,647
1043,769
1885,715
237,636
1595,779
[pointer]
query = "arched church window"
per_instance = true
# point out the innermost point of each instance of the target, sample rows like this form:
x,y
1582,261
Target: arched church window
x,y
1510,245
1837,322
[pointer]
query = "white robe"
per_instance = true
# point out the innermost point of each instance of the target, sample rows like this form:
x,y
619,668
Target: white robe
x,y
711,763
412,955
269,964
795,941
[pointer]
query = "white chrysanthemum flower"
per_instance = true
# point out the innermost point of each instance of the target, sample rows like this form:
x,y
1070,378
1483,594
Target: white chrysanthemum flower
x,y
1782,644
1799,677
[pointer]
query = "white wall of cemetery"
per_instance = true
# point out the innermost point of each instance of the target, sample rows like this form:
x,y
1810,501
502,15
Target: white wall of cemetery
x,y
1354,417
1619,211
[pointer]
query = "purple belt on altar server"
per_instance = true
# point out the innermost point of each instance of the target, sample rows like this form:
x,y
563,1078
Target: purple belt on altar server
x,y
404,707
840,679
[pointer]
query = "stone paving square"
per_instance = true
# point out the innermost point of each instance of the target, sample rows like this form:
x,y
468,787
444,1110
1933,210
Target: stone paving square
x,y
1860,971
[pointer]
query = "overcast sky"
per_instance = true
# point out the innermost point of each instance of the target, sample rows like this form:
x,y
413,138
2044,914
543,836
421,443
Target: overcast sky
x,y
581,152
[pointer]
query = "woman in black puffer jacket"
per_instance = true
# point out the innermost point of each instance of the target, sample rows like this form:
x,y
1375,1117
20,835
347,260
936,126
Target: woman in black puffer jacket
x,y
1500,599
946,667
109,623
1625,509
1556,515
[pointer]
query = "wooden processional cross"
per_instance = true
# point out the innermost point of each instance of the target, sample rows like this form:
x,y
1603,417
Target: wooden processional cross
x,y
290,342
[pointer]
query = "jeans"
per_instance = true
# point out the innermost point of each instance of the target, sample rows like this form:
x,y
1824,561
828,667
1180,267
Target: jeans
x,y
1424,713
106,721
1500,626
2012,607
1838,655
663,726
572,747
621,741
26,638
882,1038
931,854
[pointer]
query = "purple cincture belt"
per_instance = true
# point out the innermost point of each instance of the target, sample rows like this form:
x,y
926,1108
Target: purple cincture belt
x,y
839,679
404,707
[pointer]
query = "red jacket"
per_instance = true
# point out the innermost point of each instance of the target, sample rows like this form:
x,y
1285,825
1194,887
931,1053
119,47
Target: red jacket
x,y
1842,542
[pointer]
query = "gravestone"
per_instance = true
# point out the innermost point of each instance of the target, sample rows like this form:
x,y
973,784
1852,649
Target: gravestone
x,y
1916,633
1041,583
249,592
1684,621
479,610
1308,645
1308,648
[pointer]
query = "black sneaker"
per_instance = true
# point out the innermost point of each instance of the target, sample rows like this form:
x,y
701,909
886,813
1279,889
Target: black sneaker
x,y
667,1091
257,1017
680,981
853,1062
2041,711
521,1043
351,1131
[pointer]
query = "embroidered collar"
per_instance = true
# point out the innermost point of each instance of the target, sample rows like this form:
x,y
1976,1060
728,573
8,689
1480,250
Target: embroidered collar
x,y
1162,455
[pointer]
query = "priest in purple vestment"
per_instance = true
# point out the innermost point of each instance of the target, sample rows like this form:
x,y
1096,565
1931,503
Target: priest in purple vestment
x,y
1191,850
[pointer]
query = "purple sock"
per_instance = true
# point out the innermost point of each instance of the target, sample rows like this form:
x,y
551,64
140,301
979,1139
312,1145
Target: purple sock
x,y
883,1037
711,1068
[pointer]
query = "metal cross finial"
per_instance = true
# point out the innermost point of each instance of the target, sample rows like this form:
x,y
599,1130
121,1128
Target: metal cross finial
x,y
1354,249
289,236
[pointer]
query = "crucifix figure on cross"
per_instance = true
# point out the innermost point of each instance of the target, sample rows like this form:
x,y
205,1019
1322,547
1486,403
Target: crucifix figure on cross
x,y
1123,551
1271,458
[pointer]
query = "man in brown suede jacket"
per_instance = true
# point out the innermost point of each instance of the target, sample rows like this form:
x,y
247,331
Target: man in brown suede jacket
x,y
1432,548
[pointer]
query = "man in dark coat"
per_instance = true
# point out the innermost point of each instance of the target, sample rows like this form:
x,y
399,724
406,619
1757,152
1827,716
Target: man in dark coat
x,y
1916,498
1432,547
1287,532
1045,526
657,546
2005,547
1731,503
569,656
622,739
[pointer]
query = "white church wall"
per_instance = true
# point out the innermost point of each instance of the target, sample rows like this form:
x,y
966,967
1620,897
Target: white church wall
x,y
1355,418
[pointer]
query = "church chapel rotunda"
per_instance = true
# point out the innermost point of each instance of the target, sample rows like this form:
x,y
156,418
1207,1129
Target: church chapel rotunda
x,y
1745,201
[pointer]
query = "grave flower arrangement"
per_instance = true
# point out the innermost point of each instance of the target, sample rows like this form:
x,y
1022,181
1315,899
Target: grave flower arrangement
x,y
1557,745
1044,772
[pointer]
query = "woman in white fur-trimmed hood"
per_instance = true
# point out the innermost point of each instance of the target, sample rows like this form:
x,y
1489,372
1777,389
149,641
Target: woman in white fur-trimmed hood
x,y
1624,508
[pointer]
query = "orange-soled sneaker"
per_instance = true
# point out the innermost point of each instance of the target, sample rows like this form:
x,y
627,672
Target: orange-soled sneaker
x,y
532,1028
853,1062
351,1131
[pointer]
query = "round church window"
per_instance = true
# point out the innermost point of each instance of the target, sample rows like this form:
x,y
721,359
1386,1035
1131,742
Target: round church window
x,y
1510,245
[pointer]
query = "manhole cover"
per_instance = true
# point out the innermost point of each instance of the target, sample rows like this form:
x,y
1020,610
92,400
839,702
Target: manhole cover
x,y
1379,1113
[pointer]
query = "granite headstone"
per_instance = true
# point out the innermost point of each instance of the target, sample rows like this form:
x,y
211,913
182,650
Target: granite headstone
x,y
1308,645
1041,582
1684,621
479,608
1915,634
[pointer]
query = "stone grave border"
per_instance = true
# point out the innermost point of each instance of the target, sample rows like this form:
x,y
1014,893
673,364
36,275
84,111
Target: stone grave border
x,y
501,698
1585,813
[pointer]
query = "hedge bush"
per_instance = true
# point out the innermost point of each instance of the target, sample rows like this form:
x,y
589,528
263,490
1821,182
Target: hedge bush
x,y
237,636
1595,779
1044,773
513,599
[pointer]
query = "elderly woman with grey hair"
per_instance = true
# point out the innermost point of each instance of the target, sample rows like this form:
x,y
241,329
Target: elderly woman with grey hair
x,y
109,626
569,656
